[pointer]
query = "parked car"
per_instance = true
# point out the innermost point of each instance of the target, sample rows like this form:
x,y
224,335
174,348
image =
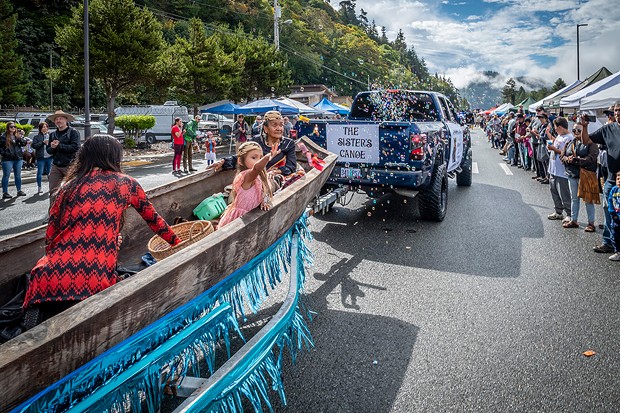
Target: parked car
x,y
216,123
96,128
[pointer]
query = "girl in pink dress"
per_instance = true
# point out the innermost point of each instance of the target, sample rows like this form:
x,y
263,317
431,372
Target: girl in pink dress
x,y
250,187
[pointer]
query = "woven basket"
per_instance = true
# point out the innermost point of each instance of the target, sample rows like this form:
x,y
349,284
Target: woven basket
x,y
188,232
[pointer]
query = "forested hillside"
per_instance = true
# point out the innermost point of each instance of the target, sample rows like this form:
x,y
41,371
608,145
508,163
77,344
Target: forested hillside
x,y
231,55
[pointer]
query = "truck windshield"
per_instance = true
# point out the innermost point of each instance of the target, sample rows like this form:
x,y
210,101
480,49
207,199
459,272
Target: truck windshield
x,y
400,106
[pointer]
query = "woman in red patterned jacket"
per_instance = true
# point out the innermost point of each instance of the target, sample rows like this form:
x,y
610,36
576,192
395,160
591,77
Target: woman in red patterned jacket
x,y
83,232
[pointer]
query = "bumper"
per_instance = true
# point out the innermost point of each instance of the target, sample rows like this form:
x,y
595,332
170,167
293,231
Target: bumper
x,y
373,178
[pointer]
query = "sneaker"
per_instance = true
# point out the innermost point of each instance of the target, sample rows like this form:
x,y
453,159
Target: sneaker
x,y
6,196
535,177
603,249
615,257
505,158
555,216
193,170
40,191
21,193
185,171
566,220
545,181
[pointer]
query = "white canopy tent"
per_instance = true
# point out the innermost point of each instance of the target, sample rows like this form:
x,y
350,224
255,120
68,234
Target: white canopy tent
x,y
573,101
532,107
602,99
501,109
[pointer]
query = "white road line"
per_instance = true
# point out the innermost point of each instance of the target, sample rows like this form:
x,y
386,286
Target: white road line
x,y
505,168
474,167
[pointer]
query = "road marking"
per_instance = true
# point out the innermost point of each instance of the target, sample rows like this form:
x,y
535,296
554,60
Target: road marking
x,y
505,168
474,167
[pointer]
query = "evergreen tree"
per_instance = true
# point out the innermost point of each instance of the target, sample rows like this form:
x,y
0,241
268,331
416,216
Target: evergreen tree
x,y
509,92
384,39
11,70
559,84
200,79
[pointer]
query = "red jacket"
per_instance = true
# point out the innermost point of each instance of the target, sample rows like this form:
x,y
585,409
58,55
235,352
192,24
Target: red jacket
x,y
81,245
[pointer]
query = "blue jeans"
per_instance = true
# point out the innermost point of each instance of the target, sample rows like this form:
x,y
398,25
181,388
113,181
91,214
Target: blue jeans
x,y
607,237
511,154
43,168
16,166
573,184
525,161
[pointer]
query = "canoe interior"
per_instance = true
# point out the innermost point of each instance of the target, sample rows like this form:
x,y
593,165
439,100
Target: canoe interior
x,y
46,353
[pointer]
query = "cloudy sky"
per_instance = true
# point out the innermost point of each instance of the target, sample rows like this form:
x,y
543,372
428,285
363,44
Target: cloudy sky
x,y
534,38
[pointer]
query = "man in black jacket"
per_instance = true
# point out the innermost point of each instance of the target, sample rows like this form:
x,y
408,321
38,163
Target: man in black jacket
x,y
64,144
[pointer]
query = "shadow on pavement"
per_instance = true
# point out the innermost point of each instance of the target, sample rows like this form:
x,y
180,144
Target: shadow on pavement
x,y
477,238
350,347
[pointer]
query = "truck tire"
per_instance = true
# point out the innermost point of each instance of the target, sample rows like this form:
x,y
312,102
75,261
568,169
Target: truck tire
x,y
433,201
464,177
150,138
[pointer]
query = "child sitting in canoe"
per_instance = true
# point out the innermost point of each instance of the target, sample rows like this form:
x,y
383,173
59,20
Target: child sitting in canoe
x,y
251,187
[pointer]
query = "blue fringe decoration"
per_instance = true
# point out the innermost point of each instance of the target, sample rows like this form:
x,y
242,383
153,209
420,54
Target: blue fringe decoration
x,y
249,378
246,286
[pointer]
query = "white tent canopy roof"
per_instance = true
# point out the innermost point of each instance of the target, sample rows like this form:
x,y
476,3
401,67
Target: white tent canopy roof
x,y
602,99
533,106
502,108
572,101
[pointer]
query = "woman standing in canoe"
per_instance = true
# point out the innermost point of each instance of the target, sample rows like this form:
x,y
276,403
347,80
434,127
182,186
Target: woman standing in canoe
x,y
83,234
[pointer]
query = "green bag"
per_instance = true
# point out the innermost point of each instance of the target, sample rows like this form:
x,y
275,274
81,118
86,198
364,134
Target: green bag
x,y
211,207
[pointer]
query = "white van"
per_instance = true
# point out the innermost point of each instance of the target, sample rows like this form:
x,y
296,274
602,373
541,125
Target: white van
x,y
164,118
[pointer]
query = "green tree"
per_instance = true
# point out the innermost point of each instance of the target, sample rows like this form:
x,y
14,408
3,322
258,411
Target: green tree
x,y
206,71
11,69
509,92
559,84
264,72
125,44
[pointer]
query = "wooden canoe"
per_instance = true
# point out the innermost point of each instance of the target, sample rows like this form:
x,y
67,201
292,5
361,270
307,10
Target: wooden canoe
x,y
46,353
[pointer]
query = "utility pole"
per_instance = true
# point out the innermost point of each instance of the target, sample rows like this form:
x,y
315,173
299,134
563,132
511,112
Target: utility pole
x,y
578,26
87,130
276,28
51,83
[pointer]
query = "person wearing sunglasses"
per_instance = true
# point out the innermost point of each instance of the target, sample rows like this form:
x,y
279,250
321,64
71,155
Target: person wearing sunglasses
x,y
11,143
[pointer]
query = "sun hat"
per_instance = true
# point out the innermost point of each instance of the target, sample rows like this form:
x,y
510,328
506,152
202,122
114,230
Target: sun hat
x,y
60,113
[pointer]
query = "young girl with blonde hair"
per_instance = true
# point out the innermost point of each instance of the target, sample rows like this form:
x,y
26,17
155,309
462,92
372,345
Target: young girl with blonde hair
x,y
251,187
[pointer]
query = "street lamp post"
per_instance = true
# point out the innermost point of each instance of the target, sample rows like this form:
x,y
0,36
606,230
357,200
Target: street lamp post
x,y
578,26
87,130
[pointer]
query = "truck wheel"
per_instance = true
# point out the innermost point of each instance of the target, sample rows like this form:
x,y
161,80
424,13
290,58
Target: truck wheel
x,y
150,138
464,177
433,201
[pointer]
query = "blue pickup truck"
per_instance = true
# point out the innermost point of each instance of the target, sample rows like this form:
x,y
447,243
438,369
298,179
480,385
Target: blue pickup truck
x,y
402,141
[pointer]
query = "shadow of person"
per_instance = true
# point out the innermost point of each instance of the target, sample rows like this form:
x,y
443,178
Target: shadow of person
x,y
350,347
476,238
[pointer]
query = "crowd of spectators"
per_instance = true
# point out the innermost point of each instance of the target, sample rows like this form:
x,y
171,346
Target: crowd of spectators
x,y
578,166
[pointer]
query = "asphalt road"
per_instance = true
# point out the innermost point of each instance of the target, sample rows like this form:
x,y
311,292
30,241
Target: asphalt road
x,y
488,311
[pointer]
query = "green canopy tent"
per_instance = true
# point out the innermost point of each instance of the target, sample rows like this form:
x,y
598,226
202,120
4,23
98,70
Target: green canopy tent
x,y
526,104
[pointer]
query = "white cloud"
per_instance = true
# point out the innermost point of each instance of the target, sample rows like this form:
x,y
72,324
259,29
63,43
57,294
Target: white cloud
x,y
503,41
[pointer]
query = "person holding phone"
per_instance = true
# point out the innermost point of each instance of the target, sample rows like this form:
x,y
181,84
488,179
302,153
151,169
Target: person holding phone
x,y
609,135
11,143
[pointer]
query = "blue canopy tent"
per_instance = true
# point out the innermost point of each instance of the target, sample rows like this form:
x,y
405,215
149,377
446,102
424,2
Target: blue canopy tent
x,y
226,108
265,105
329,106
